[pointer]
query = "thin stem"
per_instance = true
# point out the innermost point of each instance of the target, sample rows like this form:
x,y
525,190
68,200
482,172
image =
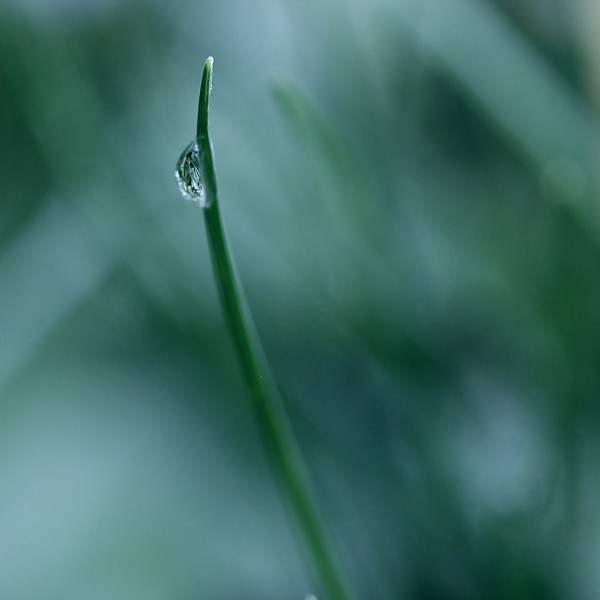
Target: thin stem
x,y
266,401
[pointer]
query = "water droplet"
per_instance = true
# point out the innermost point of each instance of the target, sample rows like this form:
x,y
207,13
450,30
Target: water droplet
x,y
188,174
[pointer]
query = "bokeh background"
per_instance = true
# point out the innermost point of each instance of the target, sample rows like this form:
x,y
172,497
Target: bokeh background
x,y
411,191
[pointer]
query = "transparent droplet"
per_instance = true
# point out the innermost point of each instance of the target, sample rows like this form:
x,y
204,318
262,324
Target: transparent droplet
x,y
188,174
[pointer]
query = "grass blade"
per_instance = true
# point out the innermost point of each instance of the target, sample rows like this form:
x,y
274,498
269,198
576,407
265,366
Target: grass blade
x,y
267,403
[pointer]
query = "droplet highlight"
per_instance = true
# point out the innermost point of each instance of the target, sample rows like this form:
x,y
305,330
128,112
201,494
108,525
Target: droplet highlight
x,y
188,174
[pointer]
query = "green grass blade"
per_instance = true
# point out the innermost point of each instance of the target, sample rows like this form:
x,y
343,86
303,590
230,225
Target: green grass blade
x,y
267,403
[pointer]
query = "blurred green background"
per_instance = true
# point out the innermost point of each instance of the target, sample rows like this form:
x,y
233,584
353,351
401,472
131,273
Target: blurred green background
x,y
411,192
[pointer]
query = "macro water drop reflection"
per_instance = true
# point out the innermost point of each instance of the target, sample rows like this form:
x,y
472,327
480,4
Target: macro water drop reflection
x,y
188,174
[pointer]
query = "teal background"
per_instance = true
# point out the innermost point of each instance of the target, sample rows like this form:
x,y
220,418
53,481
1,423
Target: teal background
x,y
411,193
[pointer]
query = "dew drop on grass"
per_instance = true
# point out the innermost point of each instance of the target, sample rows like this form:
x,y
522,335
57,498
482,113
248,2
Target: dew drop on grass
x,y
188,174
